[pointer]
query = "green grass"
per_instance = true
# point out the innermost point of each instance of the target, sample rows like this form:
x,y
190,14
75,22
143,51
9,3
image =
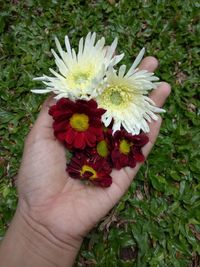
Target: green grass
x,y
157,223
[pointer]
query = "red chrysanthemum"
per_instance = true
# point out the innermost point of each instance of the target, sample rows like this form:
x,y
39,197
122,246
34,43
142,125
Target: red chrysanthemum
x,y
102,149
83,168
77,124
127,149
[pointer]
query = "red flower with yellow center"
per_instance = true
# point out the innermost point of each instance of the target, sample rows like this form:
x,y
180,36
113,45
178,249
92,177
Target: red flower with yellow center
x,y
102,149
77,124
83,168
127,149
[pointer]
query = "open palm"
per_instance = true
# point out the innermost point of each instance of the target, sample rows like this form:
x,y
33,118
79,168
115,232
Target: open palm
x,y
65,206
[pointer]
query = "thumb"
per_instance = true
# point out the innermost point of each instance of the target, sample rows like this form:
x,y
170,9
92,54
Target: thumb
x,y
43,125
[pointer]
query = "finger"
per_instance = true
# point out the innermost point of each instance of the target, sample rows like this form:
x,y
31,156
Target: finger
x,y
149,63
159,97
44,118
43,124
153,134
160,94
123,178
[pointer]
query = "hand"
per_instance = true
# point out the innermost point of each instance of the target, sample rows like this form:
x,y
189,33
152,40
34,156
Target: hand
x,y
64,207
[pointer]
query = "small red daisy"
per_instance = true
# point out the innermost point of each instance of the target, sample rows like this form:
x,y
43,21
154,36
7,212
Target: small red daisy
x,y
127,149
83,168
77,124
103,148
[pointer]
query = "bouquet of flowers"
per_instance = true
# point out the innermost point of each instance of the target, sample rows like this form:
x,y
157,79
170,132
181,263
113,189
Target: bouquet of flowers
x,y
101,115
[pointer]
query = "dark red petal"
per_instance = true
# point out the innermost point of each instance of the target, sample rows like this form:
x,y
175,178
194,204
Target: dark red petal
x,y
140,140
131,163
61,136
65,104
139,157
69,136
105,182
52,109
79,140
98,132
59,126
92,104
90,139
62,115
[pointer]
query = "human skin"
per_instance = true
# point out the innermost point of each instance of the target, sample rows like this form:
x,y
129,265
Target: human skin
x,y
54,211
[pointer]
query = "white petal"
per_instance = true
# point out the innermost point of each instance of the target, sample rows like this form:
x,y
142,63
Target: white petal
x,y
40,91
56,74
80,49
122,71
68,47
59,62
116,59
137,61
116,126
111,49
42,78
60,50
100,44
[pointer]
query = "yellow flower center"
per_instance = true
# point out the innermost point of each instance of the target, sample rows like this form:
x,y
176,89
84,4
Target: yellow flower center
x,y
79,122
116,97
102,148
124,146
81,76
87,168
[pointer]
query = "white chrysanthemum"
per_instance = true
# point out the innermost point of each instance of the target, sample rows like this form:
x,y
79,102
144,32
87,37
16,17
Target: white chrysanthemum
x,y
81,75
125,98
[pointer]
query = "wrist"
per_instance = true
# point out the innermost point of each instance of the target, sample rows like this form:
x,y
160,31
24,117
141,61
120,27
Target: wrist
x,y
28,243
